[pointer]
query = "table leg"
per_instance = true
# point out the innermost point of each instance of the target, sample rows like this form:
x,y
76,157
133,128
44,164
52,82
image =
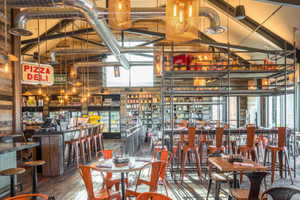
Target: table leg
x,y
123,186
235,183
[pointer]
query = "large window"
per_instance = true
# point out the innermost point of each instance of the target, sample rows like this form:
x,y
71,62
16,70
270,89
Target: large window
x,y
136,76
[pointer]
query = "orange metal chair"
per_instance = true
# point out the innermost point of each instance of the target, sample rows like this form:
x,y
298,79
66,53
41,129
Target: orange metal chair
x,y
282,153
156,168
166,158
103,194
219,142
29,197
190,147
152,196
249,149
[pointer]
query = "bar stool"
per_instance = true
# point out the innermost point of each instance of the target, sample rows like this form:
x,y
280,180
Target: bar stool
x,y
203,141
88,145
282,153
12,173
248,149
219,142
190,147
95,140
82,144
34,165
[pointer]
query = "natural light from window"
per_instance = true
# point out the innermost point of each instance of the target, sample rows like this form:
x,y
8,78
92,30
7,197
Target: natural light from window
x,y
136,76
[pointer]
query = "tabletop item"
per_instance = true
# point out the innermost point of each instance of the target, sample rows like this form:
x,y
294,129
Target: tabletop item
x,y
235,158
121,162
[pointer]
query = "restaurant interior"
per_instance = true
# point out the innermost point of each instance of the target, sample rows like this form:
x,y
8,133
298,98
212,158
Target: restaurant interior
x,y
149,99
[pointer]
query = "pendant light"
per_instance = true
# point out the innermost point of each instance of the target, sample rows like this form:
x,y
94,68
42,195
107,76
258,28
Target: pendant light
x,y
119,14
240,12
181,20
117,71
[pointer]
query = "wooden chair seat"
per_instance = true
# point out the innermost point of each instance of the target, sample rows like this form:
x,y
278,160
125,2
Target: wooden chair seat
x,y
29,197
275,148
104,195
213,149
242,194
221,177
34,163
12,171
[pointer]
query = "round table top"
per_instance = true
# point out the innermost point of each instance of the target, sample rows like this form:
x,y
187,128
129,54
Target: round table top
x,y
135,164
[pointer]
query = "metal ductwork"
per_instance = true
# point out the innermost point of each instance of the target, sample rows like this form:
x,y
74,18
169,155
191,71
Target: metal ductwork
x,y
30,14
214,18
64,13
91,13
91,51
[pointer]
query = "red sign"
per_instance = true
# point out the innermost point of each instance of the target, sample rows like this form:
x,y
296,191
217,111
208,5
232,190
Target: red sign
x,y
34,73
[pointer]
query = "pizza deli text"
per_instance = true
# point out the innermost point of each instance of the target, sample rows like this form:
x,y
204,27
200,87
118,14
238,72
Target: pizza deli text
x,y
34,73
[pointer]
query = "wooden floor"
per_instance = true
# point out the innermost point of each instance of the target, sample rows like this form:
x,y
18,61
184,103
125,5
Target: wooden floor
x,y
71,187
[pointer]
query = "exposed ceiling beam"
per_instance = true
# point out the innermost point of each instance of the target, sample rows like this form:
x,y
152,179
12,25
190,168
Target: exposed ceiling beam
x,y
57,27
293,3
57,36
88,41
252,24
150,42
204,39
144,32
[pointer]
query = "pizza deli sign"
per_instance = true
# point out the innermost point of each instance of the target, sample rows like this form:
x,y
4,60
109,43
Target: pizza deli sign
x,y
34,73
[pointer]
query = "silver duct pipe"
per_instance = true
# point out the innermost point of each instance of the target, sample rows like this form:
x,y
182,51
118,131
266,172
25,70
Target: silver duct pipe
x,y
214,18
90,51
91,13
29,14
64,13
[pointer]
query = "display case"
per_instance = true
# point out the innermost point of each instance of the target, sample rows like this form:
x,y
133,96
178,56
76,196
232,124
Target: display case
x,y
104,120
114,121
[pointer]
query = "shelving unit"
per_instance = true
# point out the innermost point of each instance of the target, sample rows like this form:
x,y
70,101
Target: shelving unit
x,y
143,107
219,78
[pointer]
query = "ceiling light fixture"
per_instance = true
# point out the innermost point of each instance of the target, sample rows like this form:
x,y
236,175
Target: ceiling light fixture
x,y
119,14
240,12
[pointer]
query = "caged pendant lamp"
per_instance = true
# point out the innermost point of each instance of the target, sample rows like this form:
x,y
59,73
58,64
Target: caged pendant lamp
x,y
119,14
181,19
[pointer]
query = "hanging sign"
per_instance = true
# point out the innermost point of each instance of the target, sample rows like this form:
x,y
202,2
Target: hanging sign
x,y
34,73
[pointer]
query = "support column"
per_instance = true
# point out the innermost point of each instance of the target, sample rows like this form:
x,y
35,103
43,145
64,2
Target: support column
x,y
17,76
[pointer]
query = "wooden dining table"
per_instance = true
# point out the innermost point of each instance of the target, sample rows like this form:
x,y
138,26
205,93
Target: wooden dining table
x,y
224,166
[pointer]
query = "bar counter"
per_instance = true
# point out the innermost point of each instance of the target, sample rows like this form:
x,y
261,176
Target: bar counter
x,y
8,159
18,146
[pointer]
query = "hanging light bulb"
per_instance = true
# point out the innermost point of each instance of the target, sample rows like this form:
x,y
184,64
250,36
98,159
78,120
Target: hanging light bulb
x,y
74,90
62,91
116,71
61,101
40,91
47,98
66,97
6,67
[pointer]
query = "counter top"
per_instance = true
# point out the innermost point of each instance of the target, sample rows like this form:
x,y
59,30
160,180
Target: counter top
x,y
17,146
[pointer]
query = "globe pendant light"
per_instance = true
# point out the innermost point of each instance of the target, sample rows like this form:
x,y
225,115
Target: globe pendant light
x,y
181,19
119,15
240,12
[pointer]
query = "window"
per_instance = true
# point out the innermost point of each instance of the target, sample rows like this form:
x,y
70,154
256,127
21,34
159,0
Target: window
x,y
136,76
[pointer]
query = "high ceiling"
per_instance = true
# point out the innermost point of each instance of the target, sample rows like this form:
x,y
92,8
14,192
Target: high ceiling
x,y
281,23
